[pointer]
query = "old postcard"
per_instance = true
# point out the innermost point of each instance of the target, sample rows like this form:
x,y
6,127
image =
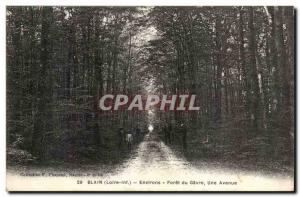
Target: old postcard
x,y
150,98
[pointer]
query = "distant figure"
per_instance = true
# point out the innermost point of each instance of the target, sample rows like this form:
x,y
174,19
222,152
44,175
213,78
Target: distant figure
x,y
120,137
184,132
137,134
167,135
129,140
172,136
133,132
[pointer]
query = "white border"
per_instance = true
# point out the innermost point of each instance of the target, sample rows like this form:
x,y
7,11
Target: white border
x,y
5,3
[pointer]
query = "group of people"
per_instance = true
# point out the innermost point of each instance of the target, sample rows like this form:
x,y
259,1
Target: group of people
x,y
128,137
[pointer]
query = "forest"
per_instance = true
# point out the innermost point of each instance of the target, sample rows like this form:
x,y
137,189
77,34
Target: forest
x,y
238,61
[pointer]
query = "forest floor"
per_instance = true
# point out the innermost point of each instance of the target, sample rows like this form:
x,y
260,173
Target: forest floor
x,y
198,158
153,160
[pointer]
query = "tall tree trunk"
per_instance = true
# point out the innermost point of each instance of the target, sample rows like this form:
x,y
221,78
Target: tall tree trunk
x,y
44,94
219,66
255,94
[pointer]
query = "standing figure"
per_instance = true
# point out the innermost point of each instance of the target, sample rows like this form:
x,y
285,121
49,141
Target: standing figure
x,y
138,134
133,132
167,135
129,139
172,136
120,137
184,133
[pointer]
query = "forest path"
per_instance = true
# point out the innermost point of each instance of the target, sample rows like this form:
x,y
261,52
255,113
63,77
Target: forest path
x,y
154,166
153,154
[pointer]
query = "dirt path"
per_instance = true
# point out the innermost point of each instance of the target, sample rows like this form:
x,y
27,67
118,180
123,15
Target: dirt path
x,y
154,167
152,155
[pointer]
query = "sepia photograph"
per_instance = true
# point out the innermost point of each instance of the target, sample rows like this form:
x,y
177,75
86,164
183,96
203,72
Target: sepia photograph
x,y
150,98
